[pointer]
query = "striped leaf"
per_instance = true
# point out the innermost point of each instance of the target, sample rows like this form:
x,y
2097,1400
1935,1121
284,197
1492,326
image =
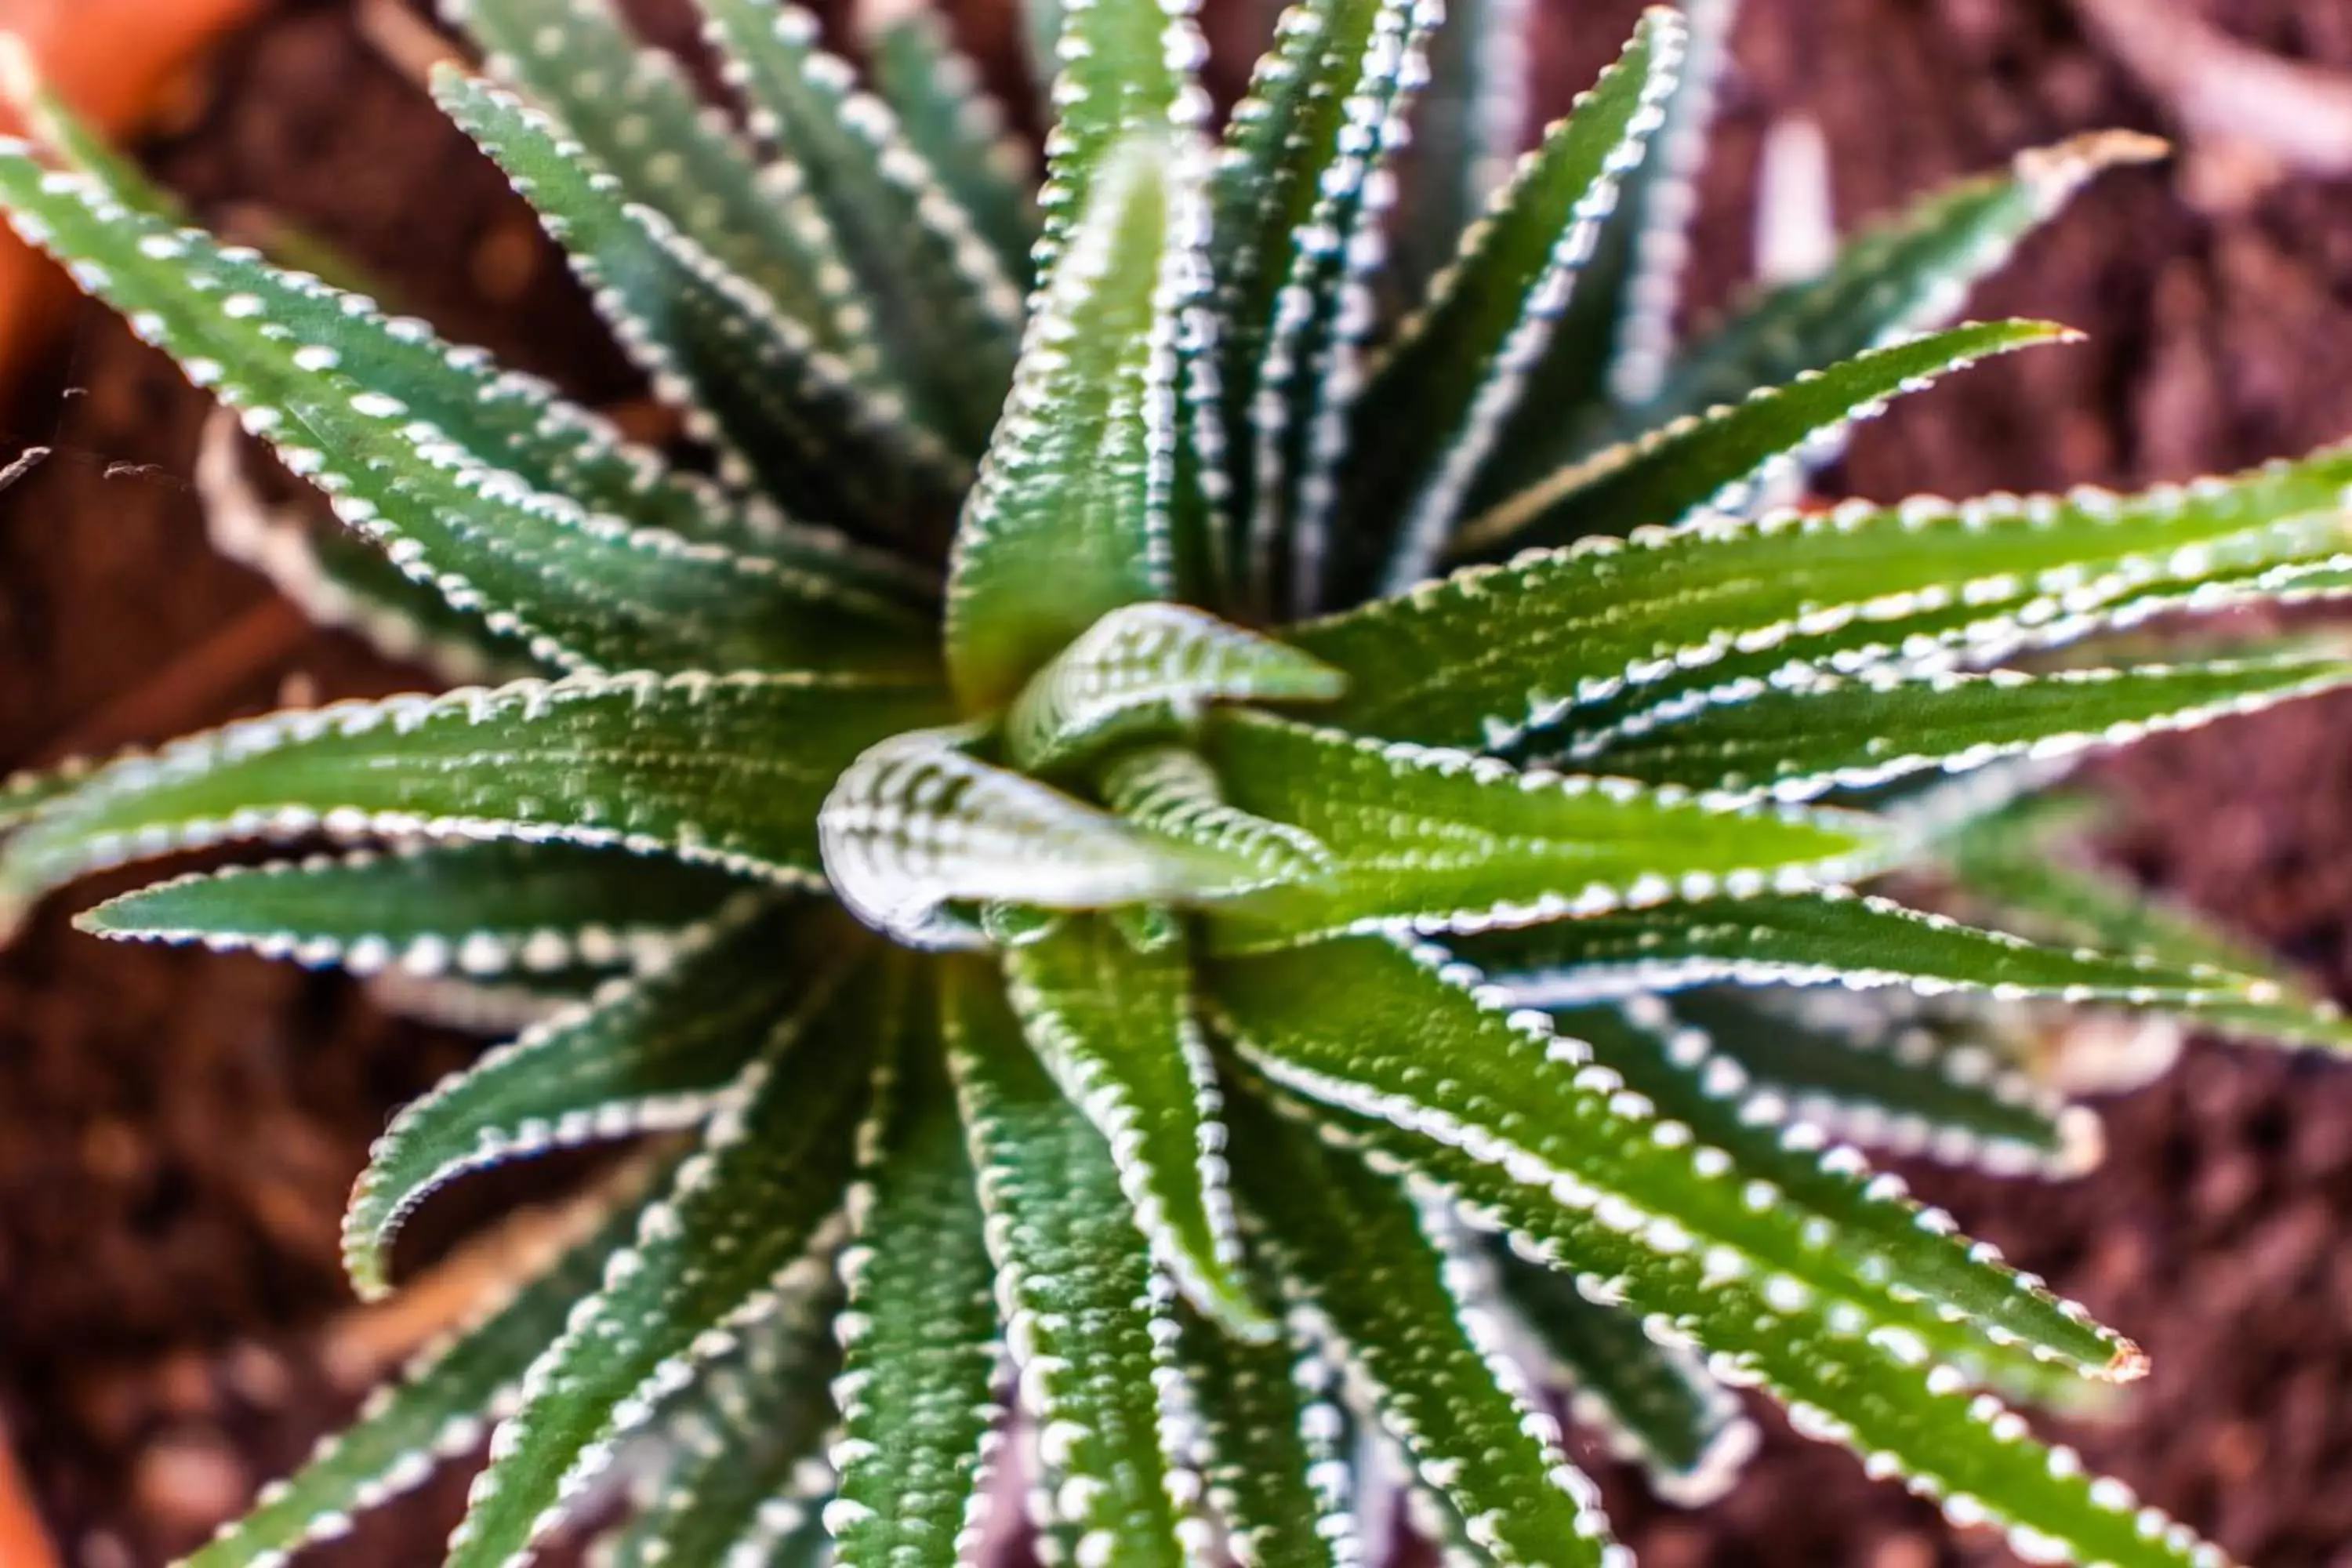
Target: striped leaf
x,y
1071,517
585,589
479,909
1866,730
1115,1028
1294,393
1150,669
1598,633
1447,841
922,1355
1441,391
724,770
1362,1281
636,114
918,832
1088,1317
1351,1023
1856,1383
953,125
1723,459
744,1441
1918,1081
1468,126
1904,275
945,313
1272,1449
742,1230
1654,1404
783,408
441,1406
642,1056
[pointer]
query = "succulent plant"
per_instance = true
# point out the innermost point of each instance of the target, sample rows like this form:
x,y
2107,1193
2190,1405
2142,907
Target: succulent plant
x,y
1203,814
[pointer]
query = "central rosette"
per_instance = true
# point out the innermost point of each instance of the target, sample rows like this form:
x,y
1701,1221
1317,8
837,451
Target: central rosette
x,y
1090,792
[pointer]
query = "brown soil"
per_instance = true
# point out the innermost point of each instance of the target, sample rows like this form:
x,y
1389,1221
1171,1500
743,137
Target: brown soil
x,y
177,1131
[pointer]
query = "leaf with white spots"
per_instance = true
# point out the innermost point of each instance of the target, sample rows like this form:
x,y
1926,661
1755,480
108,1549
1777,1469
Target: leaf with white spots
x,y
1592,638
1857,733
918,832
1115,1028
1654,1405
1469,125
1151,669
1089,1320
744,1228
943,312
1722,459
585,588
1306,341
923,1353
474,909
648,1055
1447,840
1918,1082
783,410
746,1471
1900,277
441,1406
1071,517
1443,391
1854,1383
1364,1282
1620,328
634,111
25,796
1352,1023
1273,1448
726,772
951,120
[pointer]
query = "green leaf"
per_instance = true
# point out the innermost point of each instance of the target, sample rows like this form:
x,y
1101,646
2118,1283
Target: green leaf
x,y
1619,332
1855,734
916,827
954,125
724,770
468,909
923,1352
1898,278
1722,459
1604,632
25,796
1860,1383
636,114
1654,1404
586,589
783,410
1071,518
945,313
1442,393
442,1404
643,1055
1354,1022
1272,1442
745,1229
1087,1315
1299,352
745,1473
1910,1080
1150,669
1115,1028
1367,1283
1448,841
1468,125
1830,937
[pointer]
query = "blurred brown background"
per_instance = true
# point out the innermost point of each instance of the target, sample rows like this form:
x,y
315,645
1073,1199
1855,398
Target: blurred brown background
x,y
177,1131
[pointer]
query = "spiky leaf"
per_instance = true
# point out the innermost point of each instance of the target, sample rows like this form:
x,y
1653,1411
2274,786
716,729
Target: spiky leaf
x,y
1272,1445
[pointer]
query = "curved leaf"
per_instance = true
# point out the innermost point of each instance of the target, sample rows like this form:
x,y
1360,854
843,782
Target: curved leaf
x,y
1085,1312
1468,126
721,771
